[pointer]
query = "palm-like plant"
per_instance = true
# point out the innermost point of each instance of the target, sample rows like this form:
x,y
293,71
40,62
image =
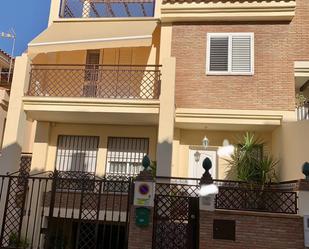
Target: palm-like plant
x,y
246,165
266,170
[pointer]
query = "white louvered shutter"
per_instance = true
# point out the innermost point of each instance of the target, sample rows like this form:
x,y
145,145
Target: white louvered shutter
x,y
219,54
241,54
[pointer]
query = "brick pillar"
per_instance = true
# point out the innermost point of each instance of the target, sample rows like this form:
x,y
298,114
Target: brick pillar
x,y
207,205
141,237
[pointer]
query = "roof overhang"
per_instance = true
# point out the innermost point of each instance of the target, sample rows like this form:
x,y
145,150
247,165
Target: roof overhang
x,y
223,119
92,111
301,73
81,35
229,10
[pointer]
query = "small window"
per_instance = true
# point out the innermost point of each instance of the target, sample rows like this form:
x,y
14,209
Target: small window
x,y
4,75
230,53
77,154
125,155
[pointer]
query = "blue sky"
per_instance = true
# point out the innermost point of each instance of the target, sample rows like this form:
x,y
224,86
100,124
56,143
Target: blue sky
x,y
27,17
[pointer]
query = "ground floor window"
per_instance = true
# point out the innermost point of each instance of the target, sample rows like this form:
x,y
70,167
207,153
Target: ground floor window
x,y
125,155
77,153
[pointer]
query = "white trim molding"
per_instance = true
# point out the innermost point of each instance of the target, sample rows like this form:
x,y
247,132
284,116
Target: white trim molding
x,y
216,118
301,68
91,40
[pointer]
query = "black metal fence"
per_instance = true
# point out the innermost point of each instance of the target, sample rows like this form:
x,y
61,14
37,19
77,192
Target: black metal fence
x,y
49,210
176,221
236,195
64,210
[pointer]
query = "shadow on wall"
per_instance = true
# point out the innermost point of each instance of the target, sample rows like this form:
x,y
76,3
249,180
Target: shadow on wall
x,y
10,158
164,158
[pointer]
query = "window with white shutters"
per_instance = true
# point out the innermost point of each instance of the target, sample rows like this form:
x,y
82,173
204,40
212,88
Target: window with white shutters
x,y
230,53
219,54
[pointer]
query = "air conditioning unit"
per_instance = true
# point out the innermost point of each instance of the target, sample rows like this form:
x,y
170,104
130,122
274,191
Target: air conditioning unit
x,y
306,230
89,90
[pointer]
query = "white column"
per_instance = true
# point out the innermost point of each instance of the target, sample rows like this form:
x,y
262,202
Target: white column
x,y
166,118
55,9
303,202
40,147
16,117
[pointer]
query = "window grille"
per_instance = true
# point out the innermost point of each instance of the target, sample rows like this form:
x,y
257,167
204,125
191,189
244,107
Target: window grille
x,y
77,153
125,155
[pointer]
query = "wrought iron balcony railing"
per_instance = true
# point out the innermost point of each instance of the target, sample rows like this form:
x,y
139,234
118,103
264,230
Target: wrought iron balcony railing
x,y
106,8
95,81
303,112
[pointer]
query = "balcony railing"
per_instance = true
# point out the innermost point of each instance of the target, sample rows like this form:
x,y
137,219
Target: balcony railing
x,y
106,8
96,81
303,112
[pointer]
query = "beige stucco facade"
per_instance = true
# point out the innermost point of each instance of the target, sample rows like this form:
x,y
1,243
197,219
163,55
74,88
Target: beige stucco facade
x,y
173,123
45,143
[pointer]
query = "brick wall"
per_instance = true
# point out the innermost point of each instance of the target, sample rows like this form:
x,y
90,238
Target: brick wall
x,y
254,231
277,45
139,237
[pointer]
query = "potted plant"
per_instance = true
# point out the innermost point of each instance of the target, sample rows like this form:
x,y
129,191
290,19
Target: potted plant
x,y
300,100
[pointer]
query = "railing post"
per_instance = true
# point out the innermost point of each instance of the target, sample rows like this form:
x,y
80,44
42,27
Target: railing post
x,y
208,189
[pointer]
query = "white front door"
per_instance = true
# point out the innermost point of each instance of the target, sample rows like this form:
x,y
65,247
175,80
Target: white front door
x,y
196,167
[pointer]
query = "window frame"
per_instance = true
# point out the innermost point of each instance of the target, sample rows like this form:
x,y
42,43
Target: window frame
x,y
68,155
122,155
229,36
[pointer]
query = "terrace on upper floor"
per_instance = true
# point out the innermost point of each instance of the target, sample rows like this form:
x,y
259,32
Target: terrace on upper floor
x,y
106,8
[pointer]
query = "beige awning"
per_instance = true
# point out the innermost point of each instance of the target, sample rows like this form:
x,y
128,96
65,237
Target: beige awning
x,y
68,36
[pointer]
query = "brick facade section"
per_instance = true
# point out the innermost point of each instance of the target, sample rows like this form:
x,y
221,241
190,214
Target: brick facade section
x,y
272,87
140,237
253,230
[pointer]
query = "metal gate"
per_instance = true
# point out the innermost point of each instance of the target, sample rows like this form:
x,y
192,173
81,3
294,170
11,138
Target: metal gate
x,y
176,221
64,210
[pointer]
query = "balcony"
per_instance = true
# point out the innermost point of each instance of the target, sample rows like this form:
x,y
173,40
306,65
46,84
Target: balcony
x,y
107,8
125,94
95,81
